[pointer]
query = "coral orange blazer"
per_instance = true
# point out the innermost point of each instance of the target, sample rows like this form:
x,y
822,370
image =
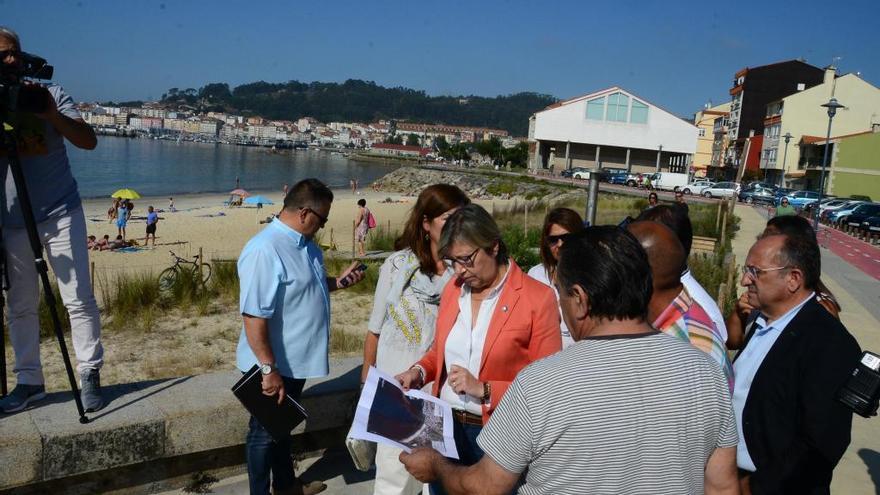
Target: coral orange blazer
x,y
524,328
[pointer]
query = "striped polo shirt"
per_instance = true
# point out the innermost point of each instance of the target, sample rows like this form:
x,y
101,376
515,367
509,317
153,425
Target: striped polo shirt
x,y
619,414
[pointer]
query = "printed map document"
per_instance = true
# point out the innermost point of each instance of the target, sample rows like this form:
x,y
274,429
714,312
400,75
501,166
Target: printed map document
x,y
406,420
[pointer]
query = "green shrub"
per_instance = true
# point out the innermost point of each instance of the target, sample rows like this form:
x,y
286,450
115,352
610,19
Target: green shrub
x,y
47,328
522,246
224,279
381,239
498,188
711,271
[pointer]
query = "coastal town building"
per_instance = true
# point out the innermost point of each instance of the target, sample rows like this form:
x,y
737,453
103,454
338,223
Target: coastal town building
x,y
611,128
399,150
706,120
801,117
853,165
754,88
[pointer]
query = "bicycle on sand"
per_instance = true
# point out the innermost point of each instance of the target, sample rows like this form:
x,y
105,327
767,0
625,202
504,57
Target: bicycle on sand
x,y
184,267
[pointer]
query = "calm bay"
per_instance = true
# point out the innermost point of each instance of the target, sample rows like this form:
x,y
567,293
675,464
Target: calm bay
x,y
164,168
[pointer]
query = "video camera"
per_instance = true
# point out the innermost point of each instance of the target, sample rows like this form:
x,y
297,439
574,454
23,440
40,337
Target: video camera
x,y
16,96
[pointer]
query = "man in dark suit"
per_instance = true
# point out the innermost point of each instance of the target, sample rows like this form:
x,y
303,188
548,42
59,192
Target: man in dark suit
x,y
792,429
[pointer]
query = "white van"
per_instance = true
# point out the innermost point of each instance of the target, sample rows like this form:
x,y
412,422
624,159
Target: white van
x,y
668,181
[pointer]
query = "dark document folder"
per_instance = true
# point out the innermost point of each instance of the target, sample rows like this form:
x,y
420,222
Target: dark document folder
x,y
277,419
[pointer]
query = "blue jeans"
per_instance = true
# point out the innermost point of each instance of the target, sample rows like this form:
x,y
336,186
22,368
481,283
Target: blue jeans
x,y
468,451
265,455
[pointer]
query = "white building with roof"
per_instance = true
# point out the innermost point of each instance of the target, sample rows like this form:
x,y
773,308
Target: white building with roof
x,y
611,128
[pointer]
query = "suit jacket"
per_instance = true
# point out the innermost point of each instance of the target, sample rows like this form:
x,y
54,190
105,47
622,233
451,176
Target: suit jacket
x,y
795,428
524,327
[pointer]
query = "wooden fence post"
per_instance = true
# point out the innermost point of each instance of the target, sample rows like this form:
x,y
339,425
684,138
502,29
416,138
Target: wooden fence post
x,y
723,228
493,209
718,218
722,290
200,264
92,276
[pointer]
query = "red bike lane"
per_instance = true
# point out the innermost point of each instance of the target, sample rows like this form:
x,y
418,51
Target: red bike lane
x,y
858,253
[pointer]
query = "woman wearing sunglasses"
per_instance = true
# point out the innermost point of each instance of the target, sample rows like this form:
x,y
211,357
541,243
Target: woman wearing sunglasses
x,y
493,321
558,223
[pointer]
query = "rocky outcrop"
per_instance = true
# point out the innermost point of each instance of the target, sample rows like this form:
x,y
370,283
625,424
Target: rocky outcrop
x,y
410,181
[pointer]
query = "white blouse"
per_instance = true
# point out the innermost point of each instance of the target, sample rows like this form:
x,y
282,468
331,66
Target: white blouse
x,y
464,345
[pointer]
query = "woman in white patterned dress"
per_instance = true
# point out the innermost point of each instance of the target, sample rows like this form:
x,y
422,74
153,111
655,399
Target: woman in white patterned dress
x,y
401,327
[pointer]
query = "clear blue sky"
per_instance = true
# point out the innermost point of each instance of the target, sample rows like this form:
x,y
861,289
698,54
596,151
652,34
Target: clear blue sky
x,y
678,55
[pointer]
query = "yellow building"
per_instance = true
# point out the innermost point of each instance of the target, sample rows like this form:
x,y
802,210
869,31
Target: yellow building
x,y
802,117
705,122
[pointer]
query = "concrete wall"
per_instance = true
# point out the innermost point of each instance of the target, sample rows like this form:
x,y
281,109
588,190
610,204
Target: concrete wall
x,y
568,122
150,422
856,169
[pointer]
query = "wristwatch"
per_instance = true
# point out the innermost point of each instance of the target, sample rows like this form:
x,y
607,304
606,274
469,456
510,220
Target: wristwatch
x,y
267,368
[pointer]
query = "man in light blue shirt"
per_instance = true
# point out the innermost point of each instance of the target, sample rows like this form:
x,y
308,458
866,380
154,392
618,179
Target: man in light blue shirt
x,y
285,305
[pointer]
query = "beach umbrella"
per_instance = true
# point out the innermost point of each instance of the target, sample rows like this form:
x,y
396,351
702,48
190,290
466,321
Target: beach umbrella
x,y
239,192
252,200
126,194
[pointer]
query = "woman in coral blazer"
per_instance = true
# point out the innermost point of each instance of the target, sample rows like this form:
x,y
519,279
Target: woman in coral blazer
x,y
493,320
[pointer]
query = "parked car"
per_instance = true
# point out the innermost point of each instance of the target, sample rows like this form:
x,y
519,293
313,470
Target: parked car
x,y
696,187
569,172
582,174
634,180
862,213
605,174
831,203
721,190
809,207
669,181
871,226
799,199
841,214
618,178
758,193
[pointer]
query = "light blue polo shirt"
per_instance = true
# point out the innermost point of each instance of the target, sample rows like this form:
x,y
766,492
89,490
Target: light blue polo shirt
x,y
282,279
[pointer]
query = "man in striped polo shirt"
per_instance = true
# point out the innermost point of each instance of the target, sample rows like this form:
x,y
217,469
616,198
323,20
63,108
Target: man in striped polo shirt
x,y
626,409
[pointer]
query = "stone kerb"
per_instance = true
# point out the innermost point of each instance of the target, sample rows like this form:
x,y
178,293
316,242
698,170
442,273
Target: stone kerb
x,y
152,420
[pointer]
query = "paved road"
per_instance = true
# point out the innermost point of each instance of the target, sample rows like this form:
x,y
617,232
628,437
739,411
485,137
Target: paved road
x,y
856,252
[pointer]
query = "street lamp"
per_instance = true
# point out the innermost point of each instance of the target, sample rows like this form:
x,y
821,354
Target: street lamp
x,y
659,152
832,107
787,138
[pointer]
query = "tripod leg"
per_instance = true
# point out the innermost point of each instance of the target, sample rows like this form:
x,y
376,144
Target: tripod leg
x,y
42,268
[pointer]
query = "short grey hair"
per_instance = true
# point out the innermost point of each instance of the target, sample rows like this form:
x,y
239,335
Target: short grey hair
x,y
11,35
472,224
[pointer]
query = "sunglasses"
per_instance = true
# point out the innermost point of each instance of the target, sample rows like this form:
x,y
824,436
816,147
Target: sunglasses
x,y
321,218
466,261
553,239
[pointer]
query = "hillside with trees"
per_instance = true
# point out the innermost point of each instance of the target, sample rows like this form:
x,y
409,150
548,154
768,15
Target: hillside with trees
x,y
361,101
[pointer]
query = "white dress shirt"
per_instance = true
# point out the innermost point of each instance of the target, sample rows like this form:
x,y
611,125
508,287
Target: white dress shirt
x,y
539,273
464,345
746,366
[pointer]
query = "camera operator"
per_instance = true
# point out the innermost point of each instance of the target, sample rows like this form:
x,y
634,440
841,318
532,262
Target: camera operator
x,y
62,229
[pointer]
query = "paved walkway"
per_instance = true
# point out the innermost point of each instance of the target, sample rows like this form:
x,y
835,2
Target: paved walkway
x,y
859,295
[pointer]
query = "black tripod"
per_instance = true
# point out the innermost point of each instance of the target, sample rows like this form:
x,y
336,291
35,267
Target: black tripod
x,y
9,143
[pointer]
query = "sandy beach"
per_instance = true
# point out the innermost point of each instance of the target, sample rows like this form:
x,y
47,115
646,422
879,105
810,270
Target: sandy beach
x,y
204,221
